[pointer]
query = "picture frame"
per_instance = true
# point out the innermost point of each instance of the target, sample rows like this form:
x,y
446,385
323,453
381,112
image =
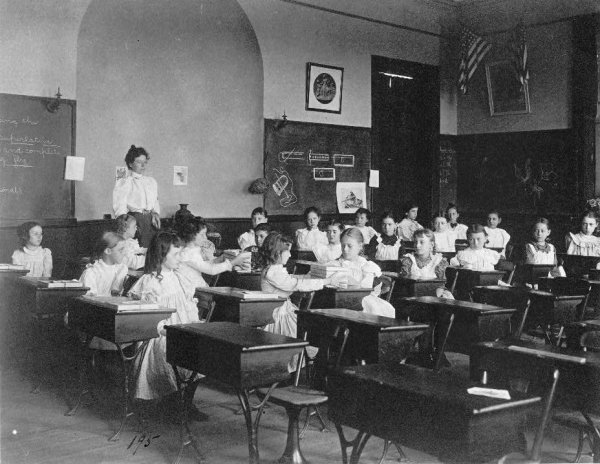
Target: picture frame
x,y
324,88
505,93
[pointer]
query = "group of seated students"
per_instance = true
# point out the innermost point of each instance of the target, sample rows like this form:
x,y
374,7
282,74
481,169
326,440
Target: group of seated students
x,y
175,261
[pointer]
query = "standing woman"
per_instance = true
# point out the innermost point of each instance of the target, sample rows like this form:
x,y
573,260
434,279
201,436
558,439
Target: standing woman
x,y
137,195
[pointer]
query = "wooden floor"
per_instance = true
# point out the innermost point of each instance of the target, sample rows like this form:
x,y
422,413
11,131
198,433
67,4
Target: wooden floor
x,y
34,429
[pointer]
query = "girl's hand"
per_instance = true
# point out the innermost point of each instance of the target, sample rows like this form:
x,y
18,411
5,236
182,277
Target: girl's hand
x,y
339,280
242,260
155,220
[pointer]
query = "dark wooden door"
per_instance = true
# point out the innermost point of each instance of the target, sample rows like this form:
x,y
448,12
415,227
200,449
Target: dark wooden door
x,y
405,133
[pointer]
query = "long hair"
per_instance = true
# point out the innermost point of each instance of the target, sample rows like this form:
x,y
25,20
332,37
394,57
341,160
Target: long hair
x,y
23,231
158,250
275,243
187,230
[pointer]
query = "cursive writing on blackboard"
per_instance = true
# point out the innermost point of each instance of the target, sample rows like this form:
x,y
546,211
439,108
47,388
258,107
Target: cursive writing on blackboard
x,y
11,190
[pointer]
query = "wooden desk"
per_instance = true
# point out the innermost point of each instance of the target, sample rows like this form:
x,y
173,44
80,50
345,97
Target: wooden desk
x,y
241,357
372,338
578,385
302,267
303,255
473,322
333,297
405,287
120,328
425,410
388,265
10,317
577,266
468,278
249,312
44,306
575,330
248,280
532,273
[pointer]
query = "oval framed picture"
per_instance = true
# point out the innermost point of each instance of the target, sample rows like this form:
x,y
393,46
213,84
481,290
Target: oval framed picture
x,y
324,88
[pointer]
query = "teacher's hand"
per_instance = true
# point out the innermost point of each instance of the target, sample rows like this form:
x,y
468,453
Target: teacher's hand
x,y
155,220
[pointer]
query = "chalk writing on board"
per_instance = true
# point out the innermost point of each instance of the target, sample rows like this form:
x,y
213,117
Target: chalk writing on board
x,y
15,122
11,190
16,161
323,173
293,155
284,188
343,161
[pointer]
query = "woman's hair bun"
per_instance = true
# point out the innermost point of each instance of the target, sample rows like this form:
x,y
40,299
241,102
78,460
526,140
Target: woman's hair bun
x,y
132,147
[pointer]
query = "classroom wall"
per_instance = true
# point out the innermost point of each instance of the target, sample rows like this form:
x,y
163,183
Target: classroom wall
x,y
291,35
187,84
550,53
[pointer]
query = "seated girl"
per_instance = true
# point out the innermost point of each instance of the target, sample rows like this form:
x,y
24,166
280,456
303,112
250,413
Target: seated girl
x,y
134,255
385,246
311,236
162,284
476,257
106,276
497,237
359,272
361,219
333,249
584,243
258,216
424,263
540,251
193,264
35,258
409,225
459,230
444,239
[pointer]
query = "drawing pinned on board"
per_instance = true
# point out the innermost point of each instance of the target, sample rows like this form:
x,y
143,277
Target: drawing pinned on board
x,y
323,173
283,185
293,155
180,175
351,196
343,161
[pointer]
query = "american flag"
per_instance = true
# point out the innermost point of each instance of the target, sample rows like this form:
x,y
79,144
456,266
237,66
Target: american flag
x,y
473,49
518,51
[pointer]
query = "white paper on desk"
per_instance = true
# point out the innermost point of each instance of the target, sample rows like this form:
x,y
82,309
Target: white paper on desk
x,y
489,392
74,167
373,178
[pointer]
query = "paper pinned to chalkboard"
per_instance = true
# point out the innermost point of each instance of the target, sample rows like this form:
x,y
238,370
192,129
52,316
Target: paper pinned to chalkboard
x,y
74,167
374,178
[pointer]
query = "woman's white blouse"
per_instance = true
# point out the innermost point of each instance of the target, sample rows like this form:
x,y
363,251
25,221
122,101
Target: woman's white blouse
x,y
135,193
306,239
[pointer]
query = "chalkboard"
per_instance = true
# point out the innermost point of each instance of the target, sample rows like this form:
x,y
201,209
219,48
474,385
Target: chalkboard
x,y
33,145
305,161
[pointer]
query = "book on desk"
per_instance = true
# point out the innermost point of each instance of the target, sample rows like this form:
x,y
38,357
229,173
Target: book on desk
x,y
49,283
12,267
252,294
119,303
323,271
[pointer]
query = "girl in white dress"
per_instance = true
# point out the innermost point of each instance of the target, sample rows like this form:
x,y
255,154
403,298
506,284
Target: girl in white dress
x,y
584,243
333,249
460,230
361,219
385,246
193,264
444,239
35,258
162,284
540,251
362,273
476,257
134,255
311,236
409,225
424,263
497,237
105,277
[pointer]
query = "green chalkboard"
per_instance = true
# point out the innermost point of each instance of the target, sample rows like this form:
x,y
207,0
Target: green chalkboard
x,y
305,161
33,145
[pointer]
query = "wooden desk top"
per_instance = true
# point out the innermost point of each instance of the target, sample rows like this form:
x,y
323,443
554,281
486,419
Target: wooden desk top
x,y
473,271
79,301
21,272
227,292
349,289
237,336
542,352
457,304
396,276
34,283
306,262
359,317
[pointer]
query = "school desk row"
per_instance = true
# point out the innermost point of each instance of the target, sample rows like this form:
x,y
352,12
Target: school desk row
x,y
372,335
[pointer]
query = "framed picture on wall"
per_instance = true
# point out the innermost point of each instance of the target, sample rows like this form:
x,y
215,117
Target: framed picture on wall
x,y
505,92
324,88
